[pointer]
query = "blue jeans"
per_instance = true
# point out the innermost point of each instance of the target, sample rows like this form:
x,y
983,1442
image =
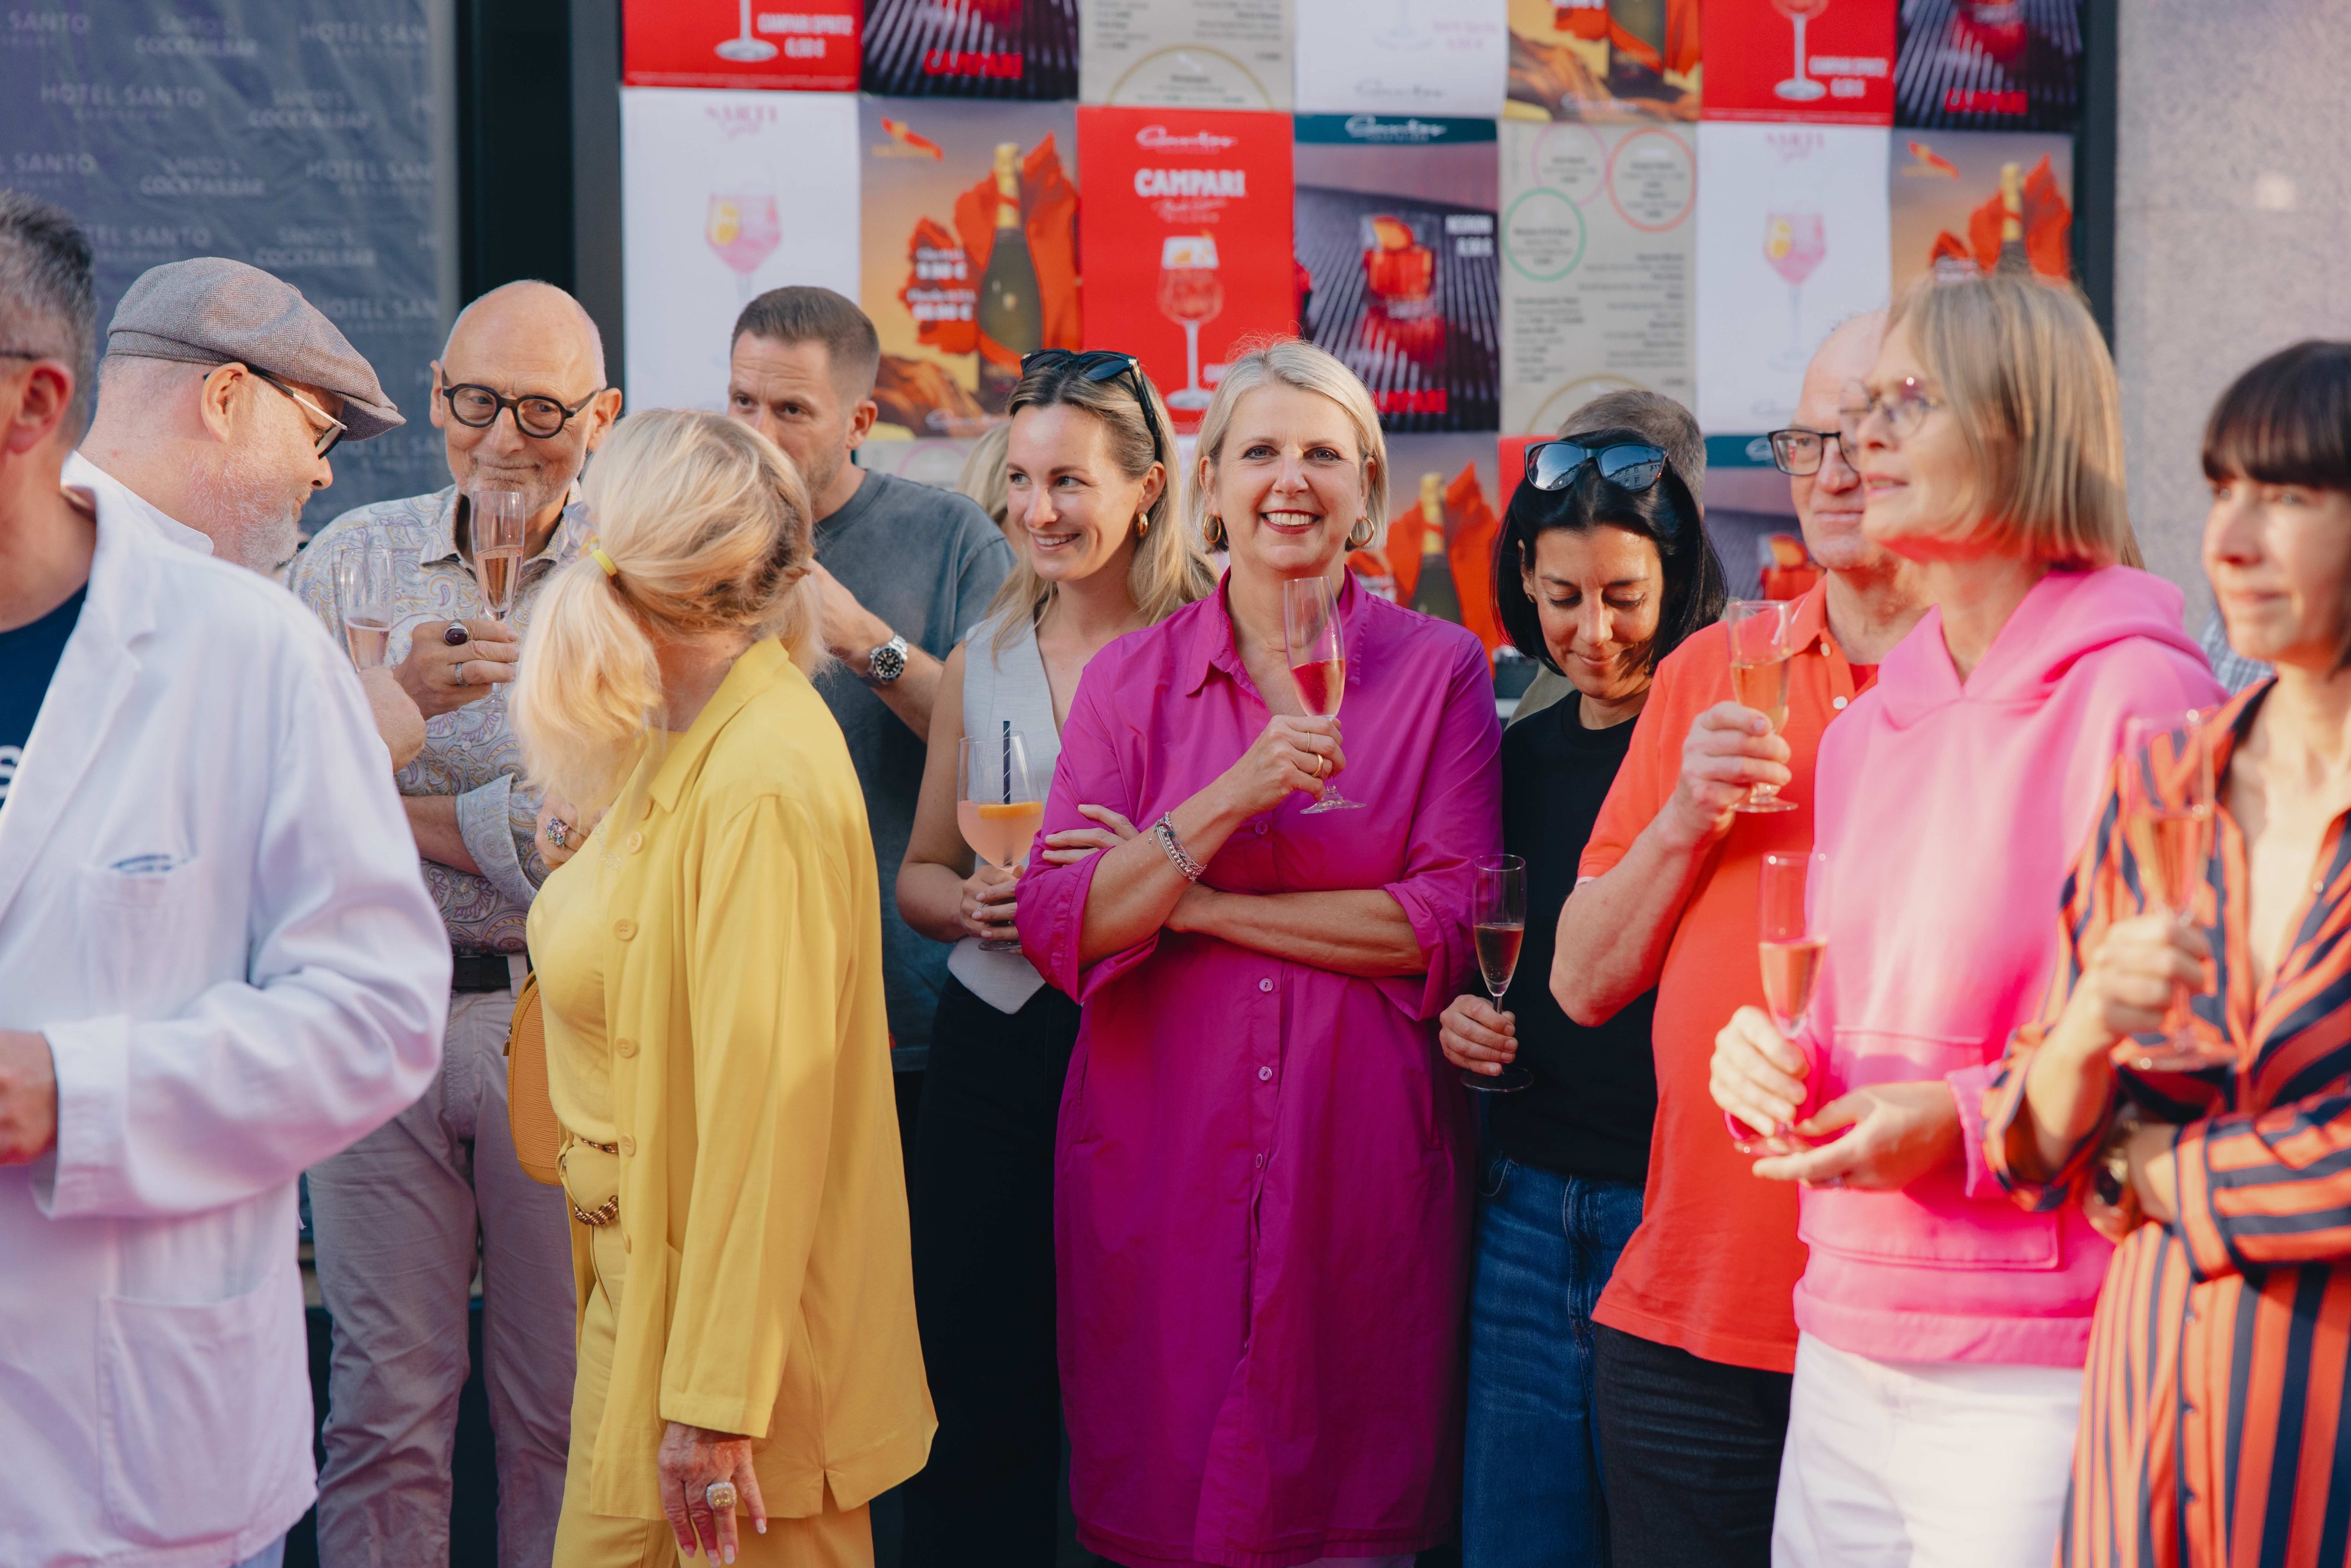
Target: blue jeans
x,y
1531,1493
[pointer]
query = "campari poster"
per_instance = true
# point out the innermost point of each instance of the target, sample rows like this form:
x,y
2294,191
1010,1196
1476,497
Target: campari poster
x,y
1989,65
969,253
971,49
805,45
1825,62
1187,241
1606,60
1947,209
1396,218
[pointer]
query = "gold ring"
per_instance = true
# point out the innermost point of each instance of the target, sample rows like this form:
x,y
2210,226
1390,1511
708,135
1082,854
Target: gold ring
x,y
721,1497
1321,763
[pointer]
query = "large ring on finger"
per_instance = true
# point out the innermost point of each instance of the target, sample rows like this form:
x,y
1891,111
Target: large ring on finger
x,y
457,674
558,833
721,1496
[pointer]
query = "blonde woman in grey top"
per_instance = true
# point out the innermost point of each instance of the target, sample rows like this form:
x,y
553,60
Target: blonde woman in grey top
x,y
1092,507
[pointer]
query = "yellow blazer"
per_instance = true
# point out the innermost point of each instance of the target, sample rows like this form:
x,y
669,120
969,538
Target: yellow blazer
x,y
760,1162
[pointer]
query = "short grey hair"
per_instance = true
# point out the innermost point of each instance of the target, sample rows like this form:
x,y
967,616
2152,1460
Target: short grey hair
x,y
1657,419
48,303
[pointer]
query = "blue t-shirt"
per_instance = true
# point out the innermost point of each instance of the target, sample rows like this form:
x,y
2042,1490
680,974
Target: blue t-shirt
x,y
28,662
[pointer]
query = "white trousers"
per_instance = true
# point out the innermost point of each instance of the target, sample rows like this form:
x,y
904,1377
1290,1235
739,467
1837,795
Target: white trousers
x,y
1893,1464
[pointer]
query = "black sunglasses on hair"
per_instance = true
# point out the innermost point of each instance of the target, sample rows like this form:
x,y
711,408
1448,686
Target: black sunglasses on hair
x,y
1628,465
1104,365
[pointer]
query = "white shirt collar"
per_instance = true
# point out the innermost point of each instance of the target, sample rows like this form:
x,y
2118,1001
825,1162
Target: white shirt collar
x,y
81,474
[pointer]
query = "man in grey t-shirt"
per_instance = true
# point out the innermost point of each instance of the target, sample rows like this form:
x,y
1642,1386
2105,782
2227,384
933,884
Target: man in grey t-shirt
x,y
907,571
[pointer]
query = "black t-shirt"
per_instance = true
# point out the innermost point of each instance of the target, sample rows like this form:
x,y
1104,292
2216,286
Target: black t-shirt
x,y
1589,1109
28,662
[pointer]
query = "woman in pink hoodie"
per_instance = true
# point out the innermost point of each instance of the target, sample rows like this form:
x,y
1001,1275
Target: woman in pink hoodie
x,y
1943,1328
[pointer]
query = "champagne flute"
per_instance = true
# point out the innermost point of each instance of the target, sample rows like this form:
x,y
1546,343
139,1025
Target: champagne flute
x,y
1791,939
1762,633
363,599
496,527
998,806
2167,811
1317,660
1499,923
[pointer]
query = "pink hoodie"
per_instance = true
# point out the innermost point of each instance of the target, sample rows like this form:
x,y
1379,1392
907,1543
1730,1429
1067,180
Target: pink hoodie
x,y
1951,815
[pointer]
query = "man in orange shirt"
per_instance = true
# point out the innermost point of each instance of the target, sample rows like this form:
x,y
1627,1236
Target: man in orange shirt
x,y
1696,1338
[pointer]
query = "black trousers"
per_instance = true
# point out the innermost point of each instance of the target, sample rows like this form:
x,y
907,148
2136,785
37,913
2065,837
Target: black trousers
x,y
982,1202
1691,1450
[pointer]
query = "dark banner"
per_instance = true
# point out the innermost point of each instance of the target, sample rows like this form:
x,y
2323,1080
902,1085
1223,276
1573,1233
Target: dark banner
x,y
267,131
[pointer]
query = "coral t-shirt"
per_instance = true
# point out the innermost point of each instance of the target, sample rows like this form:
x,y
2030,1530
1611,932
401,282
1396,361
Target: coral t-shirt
x,y
1713,1267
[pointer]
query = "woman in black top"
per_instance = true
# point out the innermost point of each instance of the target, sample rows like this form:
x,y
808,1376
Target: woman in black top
x,y
1599,580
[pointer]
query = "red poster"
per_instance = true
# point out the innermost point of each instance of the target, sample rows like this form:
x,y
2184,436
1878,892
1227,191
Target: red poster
x,y
1830,62
808,44
1185,247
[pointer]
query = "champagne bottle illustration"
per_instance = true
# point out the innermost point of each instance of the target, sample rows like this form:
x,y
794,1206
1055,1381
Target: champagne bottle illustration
x,y
1011,316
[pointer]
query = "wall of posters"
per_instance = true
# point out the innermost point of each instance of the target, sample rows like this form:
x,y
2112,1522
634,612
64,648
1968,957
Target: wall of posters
x,y
1187,240
806,44
724,194
971,49
1198,54
1792,225
262,133
959,285
1825,62
1395,222
1402,57
1606,59
1598,252
1946,202
1989,65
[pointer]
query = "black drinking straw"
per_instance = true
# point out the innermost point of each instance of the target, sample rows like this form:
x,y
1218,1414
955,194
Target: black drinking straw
x,y
1008,762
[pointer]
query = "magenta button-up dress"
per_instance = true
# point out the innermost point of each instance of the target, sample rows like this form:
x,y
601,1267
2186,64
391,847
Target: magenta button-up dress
x,y
1262,1183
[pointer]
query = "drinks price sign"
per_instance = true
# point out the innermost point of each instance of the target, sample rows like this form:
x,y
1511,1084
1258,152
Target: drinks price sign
x,y
1826,61
806,44
1187,240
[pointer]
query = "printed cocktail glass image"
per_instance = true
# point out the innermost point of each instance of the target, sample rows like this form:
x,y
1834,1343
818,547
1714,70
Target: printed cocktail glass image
x,y
1799,87
1793,243
742,47
1399,271
743,230
1190,292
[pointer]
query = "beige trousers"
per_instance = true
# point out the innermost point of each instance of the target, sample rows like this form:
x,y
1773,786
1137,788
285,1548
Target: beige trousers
x,y
585,1540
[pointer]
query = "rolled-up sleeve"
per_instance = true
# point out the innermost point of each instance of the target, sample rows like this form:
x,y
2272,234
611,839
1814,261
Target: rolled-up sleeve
x,y
499,824
1458,819
1050,909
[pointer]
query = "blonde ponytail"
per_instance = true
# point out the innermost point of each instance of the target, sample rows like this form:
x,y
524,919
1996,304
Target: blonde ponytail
x,y
706,526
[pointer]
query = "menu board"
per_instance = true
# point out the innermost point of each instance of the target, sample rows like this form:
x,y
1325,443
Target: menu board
x,y
808,45
1989,65
1396,235
1794,221
1598,252
1946,202
1402,57
1825,62
724,194
1187,241
1195,53
1607,60
971,49
958,284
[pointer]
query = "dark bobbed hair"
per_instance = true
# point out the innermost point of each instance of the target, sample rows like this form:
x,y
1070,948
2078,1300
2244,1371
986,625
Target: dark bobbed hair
x,y
1666,514
803,313
2287,420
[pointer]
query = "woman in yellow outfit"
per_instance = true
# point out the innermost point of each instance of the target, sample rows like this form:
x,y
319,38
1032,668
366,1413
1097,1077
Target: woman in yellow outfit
x,y
710,964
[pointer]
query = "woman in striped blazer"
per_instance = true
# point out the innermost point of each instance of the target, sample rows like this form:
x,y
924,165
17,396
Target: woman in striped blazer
x,y
2213,1417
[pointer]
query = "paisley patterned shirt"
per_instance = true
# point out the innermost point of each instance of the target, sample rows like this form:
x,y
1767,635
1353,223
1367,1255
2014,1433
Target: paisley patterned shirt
x,y
470,753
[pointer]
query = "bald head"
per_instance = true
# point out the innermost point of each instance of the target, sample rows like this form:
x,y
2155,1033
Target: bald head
x,y
526,340
1846,356
529,307
1829,503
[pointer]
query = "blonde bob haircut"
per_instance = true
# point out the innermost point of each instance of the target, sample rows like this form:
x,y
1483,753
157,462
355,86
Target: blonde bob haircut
x,y
2026,374
1167,570
1293,362
706,525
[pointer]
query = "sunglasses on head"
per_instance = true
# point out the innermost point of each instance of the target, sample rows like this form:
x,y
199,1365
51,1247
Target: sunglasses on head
x,y
1628,465
1103,365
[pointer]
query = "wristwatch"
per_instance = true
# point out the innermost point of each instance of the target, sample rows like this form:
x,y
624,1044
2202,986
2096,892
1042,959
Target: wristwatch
x,y
886,663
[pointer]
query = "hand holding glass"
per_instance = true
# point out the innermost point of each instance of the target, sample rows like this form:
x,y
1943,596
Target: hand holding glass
x,y
495,524
1763,641
998,806
1791,940
363,599
1317,643
2167,805
1499,923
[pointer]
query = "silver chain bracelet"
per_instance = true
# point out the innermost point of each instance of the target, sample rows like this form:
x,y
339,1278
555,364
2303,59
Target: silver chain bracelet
x,y
1163,830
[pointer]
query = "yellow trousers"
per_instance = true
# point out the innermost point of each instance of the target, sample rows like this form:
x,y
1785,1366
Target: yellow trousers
x,y
585,1540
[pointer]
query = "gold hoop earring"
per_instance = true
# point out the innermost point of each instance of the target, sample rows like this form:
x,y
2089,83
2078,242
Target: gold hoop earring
x,y
1142,525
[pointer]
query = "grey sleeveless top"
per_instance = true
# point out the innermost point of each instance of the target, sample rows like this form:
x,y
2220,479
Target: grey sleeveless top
x,y
999,685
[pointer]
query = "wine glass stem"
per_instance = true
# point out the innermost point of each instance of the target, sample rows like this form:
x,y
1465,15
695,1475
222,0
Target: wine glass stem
x,y
1192,356
1800,45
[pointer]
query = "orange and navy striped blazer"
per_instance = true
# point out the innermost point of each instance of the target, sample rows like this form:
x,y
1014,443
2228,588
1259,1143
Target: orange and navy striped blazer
x,y
2213,1424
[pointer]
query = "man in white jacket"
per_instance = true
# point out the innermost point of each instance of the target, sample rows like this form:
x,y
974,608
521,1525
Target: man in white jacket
x,y
218,965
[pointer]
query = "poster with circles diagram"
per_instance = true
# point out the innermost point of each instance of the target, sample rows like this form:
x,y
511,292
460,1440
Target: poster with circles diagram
x,y
1598,265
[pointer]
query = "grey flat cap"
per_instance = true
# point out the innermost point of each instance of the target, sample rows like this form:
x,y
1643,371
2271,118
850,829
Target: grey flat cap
x,y
209,310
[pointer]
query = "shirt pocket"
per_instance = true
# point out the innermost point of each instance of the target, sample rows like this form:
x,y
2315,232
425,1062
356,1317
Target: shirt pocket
x,y
181,1414
1931,1223
148,936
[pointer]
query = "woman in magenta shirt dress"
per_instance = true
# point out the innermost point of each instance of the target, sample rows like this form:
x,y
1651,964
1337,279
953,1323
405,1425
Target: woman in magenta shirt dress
x,y
1263,1179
